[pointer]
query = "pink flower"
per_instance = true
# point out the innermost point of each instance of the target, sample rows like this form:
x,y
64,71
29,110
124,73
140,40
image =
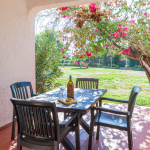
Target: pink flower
x,y
57,9
125,28
96,31
133,21
125,58
112,47
127,51
62,49
81,57
149,39
94,34
64,56
71,17
106,45
58,41
122,53
60,12
64,8
74,62
120,59
87,66
145,13
98,7
119,29
75,44
83,65
116,34
64,16
63,39
78,63
119,24
92,7
124,34
88,53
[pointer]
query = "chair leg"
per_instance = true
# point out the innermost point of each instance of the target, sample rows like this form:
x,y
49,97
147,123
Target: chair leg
x,y
97,134
56,145
90,137
77,133
130,139
65,115
13,126
19,147
96,106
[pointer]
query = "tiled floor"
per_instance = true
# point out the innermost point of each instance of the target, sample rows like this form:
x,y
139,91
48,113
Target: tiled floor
x,y
110,139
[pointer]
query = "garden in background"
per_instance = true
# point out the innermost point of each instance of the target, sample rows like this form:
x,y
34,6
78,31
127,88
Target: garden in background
x,y
118,82
94,38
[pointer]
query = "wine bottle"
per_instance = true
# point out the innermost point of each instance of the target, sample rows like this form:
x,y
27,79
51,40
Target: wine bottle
x,y
70,88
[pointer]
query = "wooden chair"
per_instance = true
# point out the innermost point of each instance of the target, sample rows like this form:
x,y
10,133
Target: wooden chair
x,y
114,118
87,83
38,125
20,90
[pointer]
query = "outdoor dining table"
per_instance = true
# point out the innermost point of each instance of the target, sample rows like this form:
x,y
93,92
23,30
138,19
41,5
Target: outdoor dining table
x,y
85,99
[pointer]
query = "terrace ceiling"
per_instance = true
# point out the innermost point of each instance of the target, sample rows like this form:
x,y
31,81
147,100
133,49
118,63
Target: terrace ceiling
x,y
46,4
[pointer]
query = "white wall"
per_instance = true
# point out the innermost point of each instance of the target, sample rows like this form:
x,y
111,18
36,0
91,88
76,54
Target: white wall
x,y
17,54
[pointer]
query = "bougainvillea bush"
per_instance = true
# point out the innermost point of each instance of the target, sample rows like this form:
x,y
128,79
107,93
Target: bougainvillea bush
x,y
119,27
47,56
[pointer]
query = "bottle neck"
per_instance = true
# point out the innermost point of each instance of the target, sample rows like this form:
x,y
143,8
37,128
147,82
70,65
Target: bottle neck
x,y
70,80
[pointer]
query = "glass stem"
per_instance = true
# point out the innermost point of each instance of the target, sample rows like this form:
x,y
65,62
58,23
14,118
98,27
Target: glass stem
x,y
62,95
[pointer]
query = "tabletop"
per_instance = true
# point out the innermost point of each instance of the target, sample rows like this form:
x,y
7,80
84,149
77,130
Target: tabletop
x,y
85,99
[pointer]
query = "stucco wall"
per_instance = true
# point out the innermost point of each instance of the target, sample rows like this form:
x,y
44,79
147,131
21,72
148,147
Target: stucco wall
x,y
17,47
17,55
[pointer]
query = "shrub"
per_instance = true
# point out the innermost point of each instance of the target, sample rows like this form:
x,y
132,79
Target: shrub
x,y
47,56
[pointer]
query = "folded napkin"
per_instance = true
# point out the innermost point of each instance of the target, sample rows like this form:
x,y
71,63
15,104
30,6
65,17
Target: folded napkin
x,y
68,101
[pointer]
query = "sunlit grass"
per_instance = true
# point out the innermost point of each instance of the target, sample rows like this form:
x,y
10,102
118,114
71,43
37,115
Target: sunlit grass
x,y
117,82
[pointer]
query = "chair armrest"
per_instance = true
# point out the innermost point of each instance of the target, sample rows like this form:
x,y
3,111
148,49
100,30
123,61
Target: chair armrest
x,y
112,99
35,94
111,110
67,121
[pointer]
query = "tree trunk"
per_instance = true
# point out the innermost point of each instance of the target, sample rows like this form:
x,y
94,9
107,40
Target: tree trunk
x,y
144,61
145,64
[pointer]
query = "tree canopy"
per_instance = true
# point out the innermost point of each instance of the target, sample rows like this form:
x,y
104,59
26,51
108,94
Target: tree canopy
x,y
117,27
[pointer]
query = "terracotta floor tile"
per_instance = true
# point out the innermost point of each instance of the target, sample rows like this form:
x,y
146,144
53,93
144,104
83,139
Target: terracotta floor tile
x,y
109,139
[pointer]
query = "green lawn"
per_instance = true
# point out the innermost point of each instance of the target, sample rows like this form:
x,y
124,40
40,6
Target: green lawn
x,y
117,82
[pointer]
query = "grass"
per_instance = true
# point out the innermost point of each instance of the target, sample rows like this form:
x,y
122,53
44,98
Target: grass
x,y
117,82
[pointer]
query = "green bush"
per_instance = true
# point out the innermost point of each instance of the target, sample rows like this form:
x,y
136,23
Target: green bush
x,y
47,56
98,65
116,66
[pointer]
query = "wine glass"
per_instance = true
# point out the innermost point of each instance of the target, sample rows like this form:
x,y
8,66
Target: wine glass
x,y
62,88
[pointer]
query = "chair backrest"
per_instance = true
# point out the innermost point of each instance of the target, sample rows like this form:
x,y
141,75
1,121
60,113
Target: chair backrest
x,y
87,83
134,92
20,90
36,119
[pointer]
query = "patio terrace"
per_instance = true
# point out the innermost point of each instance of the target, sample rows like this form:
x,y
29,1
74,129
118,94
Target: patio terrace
x,y
110,139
